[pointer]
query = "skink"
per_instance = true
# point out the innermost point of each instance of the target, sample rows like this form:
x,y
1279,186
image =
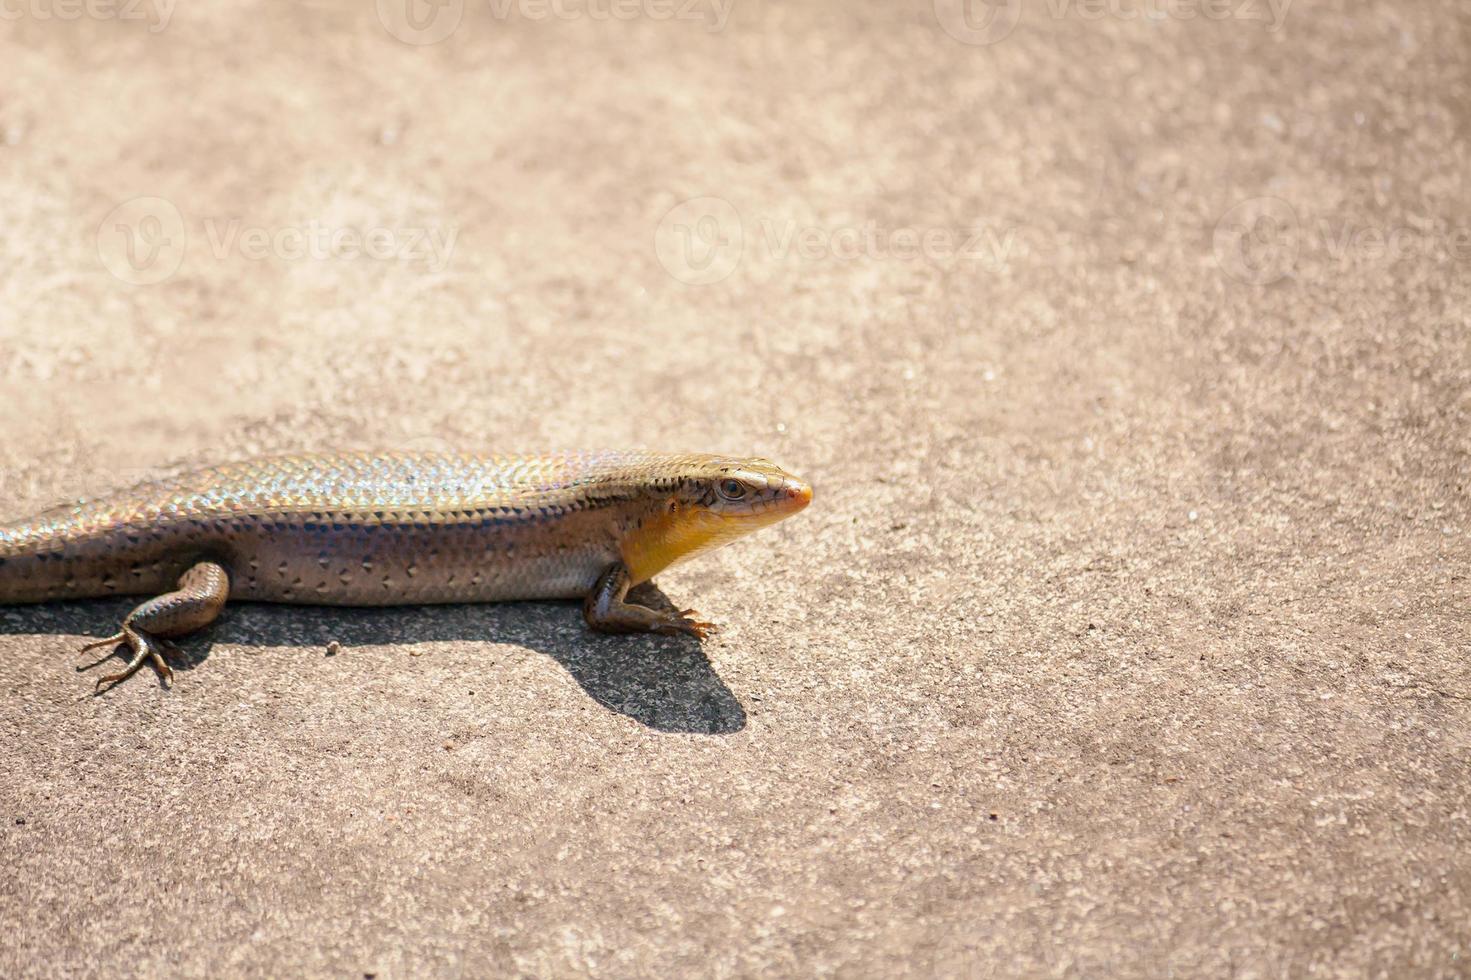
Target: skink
x,y
365,529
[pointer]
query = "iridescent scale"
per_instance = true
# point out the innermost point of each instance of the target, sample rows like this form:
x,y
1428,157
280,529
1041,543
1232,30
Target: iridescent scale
x,y
351,529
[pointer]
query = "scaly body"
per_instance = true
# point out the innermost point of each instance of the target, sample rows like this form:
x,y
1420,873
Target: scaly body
x,y
390,529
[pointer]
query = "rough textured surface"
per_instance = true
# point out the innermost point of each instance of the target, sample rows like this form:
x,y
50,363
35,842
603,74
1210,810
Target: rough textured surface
x,y
1127,634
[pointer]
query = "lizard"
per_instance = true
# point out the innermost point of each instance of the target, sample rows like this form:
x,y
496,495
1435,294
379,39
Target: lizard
x,y
376,529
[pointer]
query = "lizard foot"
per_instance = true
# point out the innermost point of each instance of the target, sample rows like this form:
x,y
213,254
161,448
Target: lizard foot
x,y
605,611
684,623
144,647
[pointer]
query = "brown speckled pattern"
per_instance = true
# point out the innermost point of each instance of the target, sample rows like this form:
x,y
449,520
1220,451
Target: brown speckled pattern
x,y
367,529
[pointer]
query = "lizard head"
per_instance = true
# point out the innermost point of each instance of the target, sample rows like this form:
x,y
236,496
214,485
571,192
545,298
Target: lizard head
x,y
715,500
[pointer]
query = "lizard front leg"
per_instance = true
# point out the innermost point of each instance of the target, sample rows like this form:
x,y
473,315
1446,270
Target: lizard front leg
x,y
606,612
196,603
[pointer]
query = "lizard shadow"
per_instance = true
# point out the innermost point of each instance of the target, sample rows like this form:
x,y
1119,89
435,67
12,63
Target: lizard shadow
x,y
666,683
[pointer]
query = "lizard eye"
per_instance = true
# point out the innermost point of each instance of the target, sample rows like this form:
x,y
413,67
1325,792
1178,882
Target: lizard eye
x,y
732,489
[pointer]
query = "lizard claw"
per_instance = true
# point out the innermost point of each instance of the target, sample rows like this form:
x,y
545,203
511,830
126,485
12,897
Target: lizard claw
x,y
683,623
142,649
111,641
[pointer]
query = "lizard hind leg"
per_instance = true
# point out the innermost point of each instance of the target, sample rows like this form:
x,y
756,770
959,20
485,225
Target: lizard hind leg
x,y
196,603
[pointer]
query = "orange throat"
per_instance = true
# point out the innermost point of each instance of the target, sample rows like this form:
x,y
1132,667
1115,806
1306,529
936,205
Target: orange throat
x,y
673,535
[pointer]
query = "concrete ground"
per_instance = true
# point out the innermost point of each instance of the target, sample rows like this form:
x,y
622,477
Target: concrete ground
x,y
1129,356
